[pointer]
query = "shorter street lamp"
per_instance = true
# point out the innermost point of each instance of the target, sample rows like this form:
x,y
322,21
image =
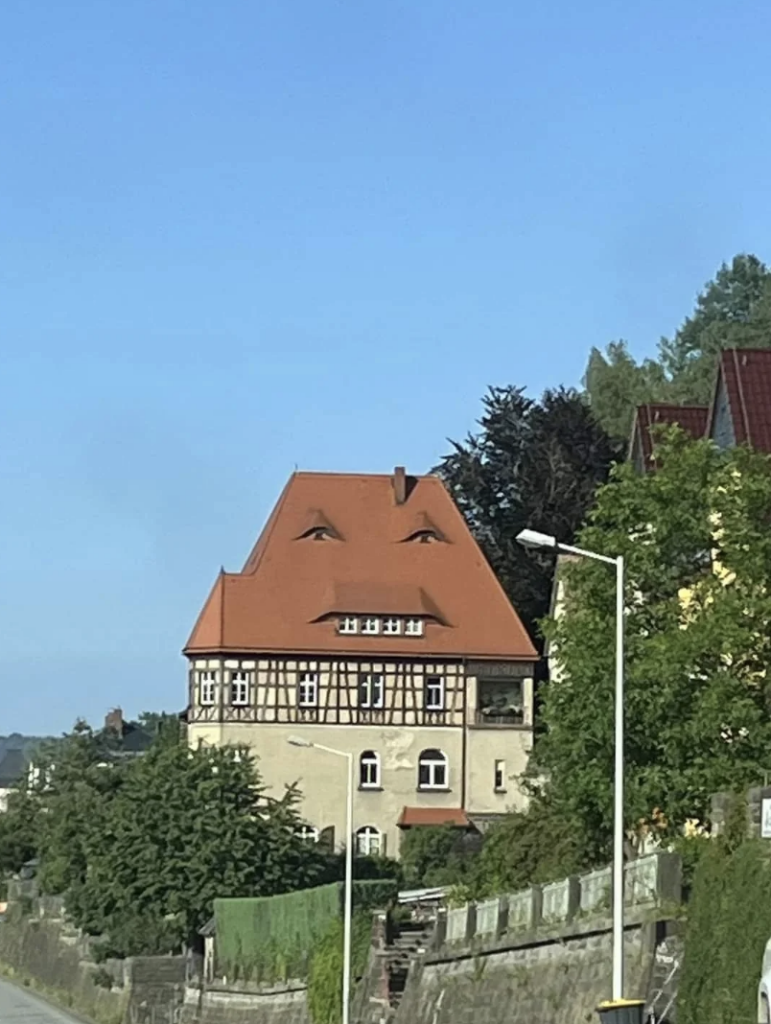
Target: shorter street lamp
x,y
296,741
618,1010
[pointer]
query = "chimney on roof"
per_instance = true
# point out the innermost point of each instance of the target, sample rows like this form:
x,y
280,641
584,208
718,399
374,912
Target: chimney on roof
x,y
399,481
113,721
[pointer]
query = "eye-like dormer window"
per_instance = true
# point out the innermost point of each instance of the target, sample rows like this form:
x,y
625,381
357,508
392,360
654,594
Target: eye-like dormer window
x,y
320,533
425,537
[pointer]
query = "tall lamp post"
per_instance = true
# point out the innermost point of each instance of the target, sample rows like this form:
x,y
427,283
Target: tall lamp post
x,y
534,539
296,741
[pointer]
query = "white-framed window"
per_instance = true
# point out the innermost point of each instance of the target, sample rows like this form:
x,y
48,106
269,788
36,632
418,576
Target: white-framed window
x,y
369,770
499,777
432,770
370,625
207,683
349,624
392,626
434,693
307,690
239,688
413,627
369,841
308,833
370,690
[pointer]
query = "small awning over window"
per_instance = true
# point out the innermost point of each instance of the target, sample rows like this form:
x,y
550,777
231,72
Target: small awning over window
x,y
415,816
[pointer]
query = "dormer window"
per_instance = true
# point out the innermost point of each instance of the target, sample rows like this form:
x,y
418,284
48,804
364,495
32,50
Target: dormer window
x,y
320,533
370,625
425,536
392,626
413,627
349,624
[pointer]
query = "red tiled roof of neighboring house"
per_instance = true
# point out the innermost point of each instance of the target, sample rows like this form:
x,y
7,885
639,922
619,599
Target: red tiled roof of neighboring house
x,y
294,586
690,418
411,816
747,377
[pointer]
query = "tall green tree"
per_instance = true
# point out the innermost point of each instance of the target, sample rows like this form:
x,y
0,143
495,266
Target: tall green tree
x,y
733,310
183,827
698,551
616,384
531,464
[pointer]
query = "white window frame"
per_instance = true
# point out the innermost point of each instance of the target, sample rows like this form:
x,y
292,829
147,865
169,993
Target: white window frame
x,y
307,690
392,626
207,688
434,684
434,766
239,688
308,833
369,841
349,624
413,627
370,686
370,625
369,770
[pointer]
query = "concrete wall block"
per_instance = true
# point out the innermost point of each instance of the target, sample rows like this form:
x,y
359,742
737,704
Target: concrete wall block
x,y
596,888
641,880
487,914
556,901
456,924
523,914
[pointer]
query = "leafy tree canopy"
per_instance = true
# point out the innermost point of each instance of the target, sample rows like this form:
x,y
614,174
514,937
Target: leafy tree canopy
x,y
141,847
733,310
531,464
698,597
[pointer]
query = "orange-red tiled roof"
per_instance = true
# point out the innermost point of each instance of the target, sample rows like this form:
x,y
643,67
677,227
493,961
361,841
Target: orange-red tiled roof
x,y
283,599
411,816
747,376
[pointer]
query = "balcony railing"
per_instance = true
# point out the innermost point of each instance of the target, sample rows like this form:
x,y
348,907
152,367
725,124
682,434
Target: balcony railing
x,y
498,718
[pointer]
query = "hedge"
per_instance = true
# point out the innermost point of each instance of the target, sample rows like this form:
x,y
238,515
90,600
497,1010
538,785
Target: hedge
x,y
272,938
729,924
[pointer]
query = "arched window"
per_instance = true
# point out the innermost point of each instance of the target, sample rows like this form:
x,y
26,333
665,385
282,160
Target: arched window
x,y
369,770
308,833
369,841
432,770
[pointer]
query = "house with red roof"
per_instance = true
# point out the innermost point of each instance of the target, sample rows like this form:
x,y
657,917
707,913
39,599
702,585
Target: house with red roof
x,y
740,411
366,619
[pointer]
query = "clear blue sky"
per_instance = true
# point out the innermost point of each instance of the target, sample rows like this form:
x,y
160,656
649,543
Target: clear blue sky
x,y
244,236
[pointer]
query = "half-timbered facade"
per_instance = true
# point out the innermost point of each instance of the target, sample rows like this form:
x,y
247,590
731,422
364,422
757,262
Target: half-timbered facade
x,y
366,619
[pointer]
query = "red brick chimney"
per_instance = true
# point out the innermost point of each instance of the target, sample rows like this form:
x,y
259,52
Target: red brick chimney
x,y
399,481
113,721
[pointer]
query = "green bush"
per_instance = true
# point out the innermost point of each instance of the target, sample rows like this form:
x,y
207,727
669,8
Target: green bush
x,y
325,992
273,937
729,924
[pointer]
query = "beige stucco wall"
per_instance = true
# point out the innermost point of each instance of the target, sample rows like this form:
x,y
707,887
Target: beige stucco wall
x,y
397,732
321,776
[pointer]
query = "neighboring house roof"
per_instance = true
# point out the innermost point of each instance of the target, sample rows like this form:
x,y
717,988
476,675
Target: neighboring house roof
x,y
690,418
744,376
294,582
412,816
13,767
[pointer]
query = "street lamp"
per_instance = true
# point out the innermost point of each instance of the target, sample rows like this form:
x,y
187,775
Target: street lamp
x,y
296,741
534,539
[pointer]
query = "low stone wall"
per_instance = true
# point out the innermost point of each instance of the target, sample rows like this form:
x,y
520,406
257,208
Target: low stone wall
x,y
231,1005
51,956
544,956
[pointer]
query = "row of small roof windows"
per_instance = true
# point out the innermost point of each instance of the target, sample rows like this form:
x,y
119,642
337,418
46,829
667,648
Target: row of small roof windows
x,y
373,625
370,690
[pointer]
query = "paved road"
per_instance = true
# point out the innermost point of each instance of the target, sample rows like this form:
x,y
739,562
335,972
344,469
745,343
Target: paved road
x,y
18,1006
